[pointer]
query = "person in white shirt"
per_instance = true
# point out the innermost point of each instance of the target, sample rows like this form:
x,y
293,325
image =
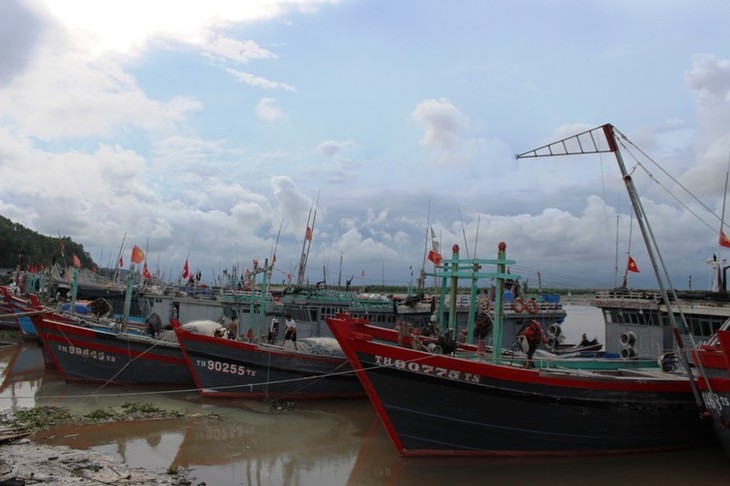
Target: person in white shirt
x,y
291,331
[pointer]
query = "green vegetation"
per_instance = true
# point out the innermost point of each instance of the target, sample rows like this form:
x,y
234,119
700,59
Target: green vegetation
x,y
45,417
22,246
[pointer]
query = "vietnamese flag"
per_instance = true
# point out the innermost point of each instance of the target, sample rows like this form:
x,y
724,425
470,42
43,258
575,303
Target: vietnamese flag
x,y
137,254
435,257
186,270
77,262
631,266
724,241
146,272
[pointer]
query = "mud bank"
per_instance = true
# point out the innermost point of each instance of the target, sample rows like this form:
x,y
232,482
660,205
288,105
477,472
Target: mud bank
x,y
25,462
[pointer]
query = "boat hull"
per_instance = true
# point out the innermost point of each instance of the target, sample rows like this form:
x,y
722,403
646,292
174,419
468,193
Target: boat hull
x,y
21,308
91,355
439,405
715,385
228,368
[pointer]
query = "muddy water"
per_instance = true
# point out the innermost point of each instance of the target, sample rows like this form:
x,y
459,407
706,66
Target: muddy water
x,y
315,443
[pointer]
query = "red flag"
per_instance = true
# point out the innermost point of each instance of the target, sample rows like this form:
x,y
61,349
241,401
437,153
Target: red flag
x,y
121,261
724,241
137,254
77,262
308,234
146,272
631,266
434,257
186,270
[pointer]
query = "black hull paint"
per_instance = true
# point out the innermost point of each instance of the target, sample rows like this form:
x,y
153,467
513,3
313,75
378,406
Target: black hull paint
x,y
226,368
95,356
506,419
440,405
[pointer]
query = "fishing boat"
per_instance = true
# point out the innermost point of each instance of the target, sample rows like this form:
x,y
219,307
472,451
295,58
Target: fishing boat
x,y
713,358
20,310
84,354
87,350
638,324
481,404
223,367
474,403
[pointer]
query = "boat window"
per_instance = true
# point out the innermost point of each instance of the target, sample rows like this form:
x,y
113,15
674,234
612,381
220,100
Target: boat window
x,y
706,328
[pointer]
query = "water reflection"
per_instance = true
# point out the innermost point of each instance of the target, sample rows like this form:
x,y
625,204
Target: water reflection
x,y
229,441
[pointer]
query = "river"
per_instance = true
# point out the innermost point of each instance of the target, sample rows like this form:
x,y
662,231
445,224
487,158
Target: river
x,y
239,442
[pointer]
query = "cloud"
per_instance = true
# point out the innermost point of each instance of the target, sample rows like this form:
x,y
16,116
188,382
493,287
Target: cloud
x,y
20,31
267,110
61,94
258,81
127,26
444,125
331,148
225,48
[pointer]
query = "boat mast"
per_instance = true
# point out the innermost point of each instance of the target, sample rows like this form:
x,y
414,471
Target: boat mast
x,y
421,280
589,142
718,284
615,265
307,242
117,267
625,281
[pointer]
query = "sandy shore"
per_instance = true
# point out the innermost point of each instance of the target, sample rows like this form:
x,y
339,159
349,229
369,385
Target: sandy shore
x,y
25,462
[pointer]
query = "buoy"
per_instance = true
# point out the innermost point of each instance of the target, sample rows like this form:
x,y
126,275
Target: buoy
x,y
518,305
628,338
554,330
484,306
628,353
531,306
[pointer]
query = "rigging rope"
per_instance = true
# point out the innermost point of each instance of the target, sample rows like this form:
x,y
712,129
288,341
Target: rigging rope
x,y
675,181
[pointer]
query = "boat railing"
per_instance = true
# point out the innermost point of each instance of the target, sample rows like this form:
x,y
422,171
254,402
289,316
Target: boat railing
x,y
237,296
628,294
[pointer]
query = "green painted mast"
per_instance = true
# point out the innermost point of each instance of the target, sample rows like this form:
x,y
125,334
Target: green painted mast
x,y
128,298
472,270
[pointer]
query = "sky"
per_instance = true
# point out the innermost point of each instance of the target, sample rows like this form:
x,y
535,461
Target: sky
x,y
214,131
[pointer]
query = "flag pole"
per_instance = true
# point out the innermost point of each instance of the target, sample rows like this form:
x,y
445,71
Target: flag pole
x,y
118,270
463,232
722,216
615,268
717,280
626,272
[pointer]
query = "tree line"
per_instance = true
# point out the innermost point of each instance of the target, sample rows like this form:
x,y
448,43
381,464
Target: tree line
x,y
20,246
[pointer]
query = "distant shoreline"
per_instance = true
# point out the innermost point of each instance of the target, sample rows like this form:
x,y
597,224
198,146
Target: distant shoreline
x,y
583,299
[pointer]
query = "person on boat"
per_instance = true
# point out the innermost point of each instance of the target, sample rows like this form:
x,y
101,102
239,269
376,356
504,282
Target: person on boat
x,y
530,337
291,331
153,324
584,340
273,331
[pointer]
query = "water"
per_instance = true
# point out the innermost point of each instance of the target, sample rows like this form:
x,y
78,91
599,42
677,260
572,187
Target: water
x,y
234,442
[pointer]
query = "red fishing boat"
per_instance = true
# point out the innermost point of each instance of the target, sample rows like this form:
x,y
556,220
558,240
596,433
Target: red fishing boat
x,y
472,403
223,367
713,358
